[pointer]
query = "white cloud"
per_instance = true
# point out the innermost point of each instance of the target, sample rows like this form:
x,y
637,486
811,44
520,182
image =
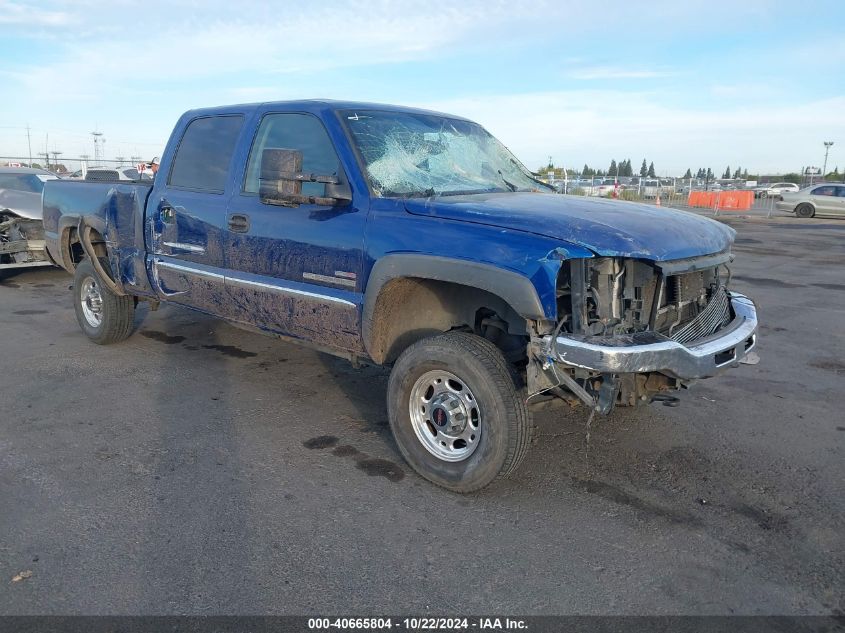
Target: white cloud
x,y
611,73
594,126
257,41
16,13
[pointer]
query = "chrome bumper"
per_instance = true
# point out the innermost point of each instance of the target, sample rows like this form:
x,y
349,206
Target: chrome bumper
x,y
650,352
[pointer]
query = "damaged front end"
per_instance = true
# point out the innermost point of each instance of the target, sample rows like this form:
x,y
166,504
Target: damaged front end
x,y
631,331
22,242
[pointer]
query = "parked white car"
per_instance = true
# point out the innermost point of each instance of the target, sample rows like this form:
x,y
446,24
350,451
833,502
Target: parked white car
x,y
115,173
777,189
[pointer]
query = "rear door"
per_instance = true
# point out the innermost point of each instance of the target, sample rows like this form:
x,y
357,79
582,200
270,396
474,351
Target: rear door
x,y
296,270
824,199
187,214
839,203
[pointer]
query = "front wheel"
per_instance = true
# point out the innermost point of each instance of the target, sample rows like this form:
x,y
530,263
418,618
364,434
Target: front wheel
x,y
456,413
804,211
104,316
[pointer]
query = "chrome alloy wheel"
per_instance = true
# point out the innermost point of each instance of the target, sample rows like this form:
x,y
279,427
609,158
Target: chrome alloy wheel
x,y
92,302
445,416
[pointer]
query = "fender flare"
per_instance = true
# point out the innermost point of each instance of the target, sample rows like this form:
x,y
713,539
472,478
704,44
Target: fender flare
x,y
85,240
515,289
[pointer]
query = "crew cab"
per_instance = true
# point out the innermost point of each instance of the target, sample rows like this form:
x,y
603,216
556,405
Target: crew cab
x,y
415,240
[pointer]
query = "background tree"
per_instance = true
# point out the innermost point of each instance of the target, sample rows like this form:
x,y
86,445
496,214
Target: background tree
x,y
688,174
709,174
737,173
643,170
629,171
613,168
650,172
727,173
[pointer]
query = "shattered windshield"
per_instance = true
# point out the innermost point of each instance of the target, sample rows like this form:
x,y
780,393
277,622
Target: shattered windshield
x,y
407,154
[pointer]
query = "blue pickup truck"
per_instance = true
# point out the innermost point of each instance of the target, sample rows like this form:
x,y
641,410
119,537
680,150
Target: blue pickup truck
x,y
415,240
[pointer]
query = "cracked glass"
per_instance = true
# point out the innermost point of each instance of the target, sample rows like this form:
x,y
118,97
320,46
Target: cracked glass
x,y
407,154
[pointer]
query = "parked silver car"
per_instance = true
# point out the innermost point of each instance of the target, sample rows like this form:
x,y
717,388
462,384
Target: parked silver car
x,y
823,199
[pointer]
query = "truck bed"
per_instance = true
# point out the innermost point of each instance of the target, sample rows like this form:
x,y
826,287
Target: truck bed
x,y
115,214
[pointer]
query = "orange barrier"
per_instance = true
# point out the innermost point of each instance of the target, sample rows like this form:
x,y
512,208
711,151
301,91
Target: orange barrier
x,y
726,200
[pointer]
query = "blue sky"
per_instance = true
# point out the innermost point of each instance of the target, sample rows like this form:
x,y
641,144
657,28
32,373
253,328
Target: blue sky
x,y
706,84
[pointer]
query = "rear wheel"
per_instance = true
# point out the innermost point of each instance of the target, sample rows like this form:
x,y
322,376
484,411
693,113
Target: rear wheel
x,y
104,316
805,211
456,413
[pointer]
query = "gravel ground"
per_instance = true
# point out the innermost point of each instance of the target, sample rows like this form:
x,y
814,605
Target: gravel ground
x,y
200,469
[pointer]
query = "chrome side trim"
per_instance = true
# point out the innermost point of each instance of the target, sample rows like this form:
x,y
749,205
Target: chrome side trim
x,y
238,281
350,283
197,272
184,247
248,283
730,345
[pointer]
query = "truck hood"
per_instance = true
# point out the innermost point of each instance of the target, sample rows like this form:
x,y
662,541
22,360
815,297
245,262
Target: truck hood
x,y
609,228
22,203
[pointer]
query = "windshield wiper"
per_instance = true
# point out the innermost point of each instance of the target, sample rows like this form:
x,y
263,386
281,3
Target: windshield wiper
x,y
530,176
425,193
510,185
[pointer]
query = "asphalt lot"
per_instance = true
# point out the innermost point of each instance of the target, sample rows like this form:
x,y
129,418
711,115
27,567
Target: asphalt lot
x,y
199,469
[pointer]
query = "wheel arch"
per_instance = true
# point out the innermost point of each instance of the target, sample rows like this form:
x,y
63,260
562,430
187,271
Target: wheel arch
x,y
410,296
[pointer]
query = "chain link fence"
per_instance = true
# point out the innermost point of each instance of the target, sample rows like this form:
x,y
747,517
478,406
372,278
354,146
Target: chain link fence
x,y
74,167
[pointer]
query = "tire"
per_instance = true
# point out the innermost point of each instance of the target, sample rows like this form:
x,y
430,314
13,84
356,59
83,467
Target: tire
x,y
104,316
487,406
804,210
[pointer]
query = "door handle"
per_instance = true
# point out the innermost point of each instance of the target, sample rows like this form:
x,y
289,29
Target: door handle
x,y
238,222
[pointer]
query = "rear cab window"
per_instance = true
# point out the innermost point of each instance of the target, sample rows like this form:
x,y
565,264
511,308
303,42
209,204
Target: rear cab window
x,y
205,152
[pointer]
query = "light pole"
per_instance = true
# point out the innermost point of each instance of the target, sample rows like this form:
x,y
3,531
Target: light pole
x,y
827,145
55,154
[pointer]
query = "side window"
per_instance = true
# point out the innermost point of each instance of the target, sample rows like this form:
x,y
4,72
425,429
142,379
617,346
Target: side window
x,y
202,160
840,191
302,132
823,191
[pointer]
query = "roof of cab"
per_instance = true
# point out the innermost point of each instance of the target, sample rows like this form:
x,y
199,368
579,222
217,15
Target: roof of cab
x,y
315,106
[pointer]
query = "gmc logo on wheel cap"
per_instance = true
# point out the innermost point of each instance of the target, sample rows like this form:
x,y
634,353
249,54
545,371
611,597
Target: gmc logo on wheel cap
x,y
438,415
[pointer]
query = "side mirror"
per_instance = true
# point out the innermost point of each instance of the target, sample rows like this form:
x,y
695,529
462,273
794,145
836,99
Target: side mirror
x,y
281,178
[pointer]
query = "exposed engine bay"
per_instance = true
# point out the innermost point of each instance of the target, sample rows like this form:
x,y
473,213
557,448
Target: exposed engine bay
x,y
618,302
21,242
612,296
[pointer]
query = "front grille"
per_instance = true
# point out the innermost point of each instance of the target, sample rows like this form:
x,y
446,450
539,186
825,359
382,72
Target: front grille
x,y
715,316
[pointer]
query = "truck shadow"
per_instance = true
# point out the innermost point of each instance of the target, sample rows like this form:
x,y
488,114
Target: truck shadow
x,y
365,388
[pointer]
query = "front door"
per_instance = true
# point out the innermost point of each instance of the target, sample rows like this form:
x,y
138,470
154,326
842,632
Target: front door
x,y
296,270
187,214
